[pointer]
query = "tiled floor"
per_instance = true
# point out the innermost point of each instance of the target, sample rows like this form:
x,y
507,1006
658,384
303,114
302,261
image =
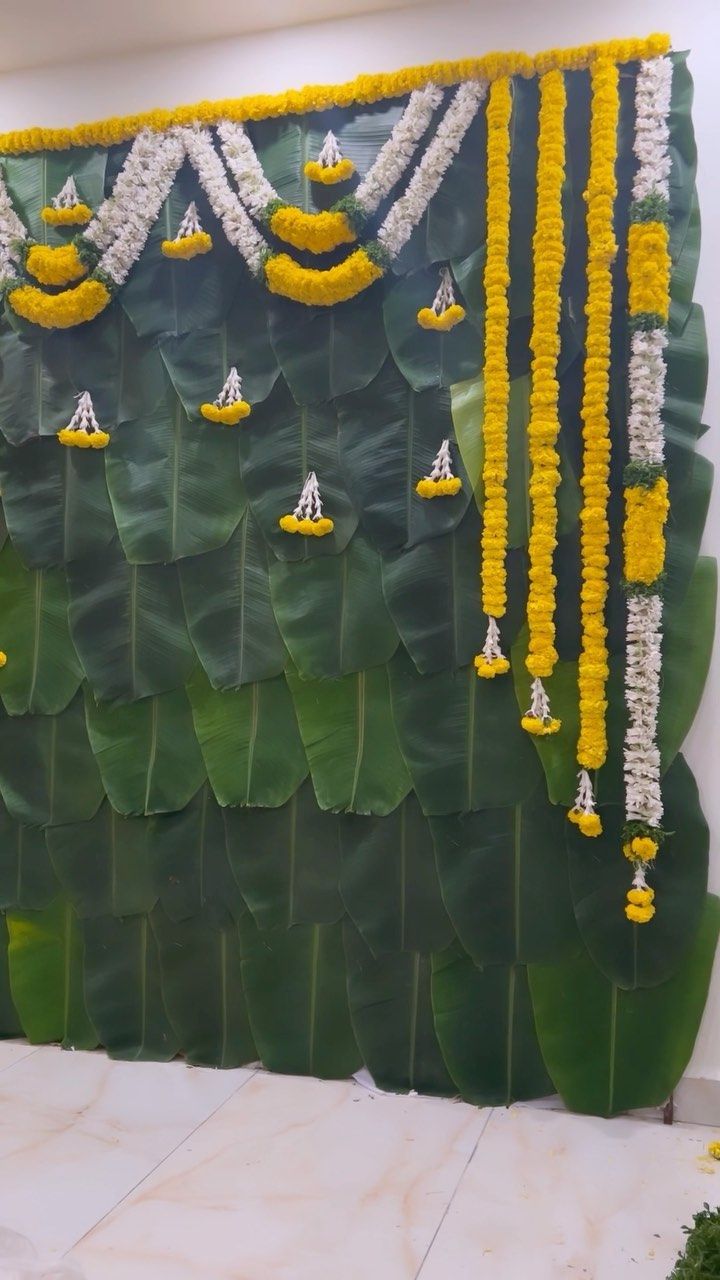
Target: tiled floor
x,y
143,1171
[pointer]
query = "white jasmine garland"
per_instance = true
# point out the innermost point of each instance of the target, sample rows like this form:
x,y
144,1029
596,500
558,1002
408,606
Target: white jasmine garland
x,y
256,192
395,155
410,207
225,204
646,374
643,668
11,231
652,133
309,505
138,174
137,210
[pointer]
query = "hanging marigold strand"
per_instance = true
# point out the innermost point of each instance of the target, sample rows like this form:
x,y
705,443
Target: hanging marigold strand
x,y
491,661
593,665
544,425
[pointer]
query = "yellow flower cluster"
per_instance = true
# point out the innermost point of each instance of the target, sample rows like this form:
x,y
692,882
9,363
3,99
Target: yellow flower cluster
x,y
646,510
447,319
73,216
589,823
548,259
316,232
187,247
714,1150
639,907
600,196
428,488
648,268
3,658
81,439
497,377
309,528
329,174
321,288
60,265
364,89
60,310
540,728
228,414
489,668
640,849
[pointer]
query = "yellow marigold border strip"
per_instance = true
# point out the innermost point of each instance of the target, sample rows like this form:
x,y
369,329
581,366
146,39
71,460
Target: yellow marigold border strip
x,y
363,89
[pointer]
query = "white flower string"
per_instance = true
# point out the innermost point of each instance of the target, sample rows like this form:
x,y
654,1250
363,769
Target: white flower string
x,y
225,204
395,155
645,480
330,153
256,192
12,235
137,208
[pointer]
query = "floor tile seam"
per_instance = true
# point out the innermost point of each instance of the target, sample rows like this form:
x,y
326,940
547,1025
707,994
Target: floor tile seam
x,y
454,1192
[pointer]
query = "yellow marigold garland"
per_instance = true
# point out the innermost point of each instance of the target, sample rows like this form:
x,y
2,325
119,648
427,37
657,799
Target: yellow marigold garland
x,y
363,89
316,232
321,288
73,215
544,425
227,414
60,310
442,322
602,188
329,174
187,247
59,265
646,511
649,269
497,378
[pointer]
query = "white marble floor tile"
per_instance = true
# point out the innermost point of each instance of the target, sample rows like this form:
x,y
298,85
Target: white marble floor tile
x,y
78,1132
549,1195
12,1051
293,1179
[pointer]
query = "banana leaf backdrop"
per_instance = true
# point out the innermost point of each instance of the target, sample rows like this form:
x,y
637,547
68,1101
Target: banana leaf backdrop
x,y
254,801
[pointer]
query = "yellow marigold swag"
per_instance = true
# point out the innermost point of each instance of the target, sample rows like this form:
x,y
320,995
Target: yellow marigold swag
x,y
646,511
228,407
59,265
649,269
60,310
318,288
316,232
188,247
69,216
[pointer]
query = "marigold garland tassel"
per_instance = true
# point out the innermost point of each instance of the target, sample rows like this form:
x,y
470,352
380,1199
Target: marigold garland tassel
x,y
646,487
595,532
83,432
229,407
441,483
330,166
544,425
491,661
307,518
66,209
190,240
583,812
445,312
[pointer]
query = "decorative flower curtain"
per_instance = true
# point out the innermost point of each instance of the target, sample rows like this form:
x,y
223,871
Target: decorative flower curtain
x,y
295,764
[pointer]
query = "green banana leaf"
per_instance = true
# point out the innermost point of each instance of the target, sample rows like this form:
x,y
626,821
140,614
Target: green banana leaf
x,y
331,612
683,153
146,751
350,741
687,370
32,180
610,1050
123,991
426,358
432,592
249,741
36,397
468,410
198,362
42,674
277,451
632,955
689,629
504,879
125,376
202,991
461,739
392,1018
128,626
484,1024
384,464
295,987
174,486
9,1021
325,352
284,144
685,527
104,864
454,223
685,265
226,596
27,880
286,861
45,962
56,502
190,865
389,882
48,776
167,296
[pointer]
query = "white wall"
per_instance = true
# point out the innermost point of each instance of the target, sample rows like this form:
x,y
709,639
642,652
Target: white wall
x,y
333,51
